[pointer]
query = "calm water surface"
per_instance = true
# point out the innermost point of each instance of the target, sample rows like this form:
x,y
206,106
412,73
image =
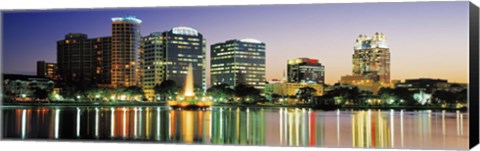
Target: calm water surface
x,y
246,126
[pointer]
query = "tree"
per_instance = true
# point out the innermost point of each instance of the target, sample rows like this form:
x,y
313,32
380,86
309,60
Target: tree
x,y
40,93
221,92
387,95
442,96
134,91
462,96
68,91
247,94
166,89
342,94
401,96
91,94
276,97
306,93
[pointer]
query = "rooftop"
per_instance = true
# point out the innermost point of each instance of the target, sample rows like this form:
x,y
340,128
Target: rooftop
x,y
251,40
183,30
128,18
24,77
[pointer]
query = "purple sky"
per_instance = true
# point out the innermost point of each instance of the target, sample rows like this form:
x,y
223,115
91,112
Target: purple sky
x,y
426,39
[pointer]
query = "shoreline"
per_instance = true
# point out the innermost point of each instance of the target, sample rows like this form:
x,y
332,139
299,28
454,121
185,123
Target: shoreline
x,y
163,104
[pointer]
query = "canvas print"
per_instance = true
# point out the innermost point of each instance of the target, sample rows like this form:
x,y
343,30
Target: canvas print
x,y
359,75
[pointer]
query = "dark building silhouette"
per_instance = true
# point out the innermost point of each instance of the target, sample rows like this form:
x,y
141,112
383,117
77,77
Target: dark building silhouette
x,y
48,70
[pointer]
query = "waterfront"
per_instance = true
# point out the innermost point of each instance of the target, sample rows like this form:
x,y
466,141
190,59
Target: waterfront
x,y
243,126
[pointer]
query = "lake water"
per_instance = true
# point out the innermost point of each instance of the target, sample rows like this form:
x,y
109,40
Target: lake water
x,y
244,126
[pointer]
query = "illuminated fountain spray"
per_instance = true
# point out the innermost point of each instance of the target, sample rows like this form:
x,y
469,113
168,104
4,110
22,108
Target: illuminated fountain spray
x,y
188,88
189,101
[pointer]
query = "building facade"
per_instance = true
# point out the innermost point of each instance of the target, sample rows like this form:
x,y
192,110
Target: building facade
x,y
424,84
236,62
167,55
103,64
76,59
291,89
45,69
372,57
371,64
22,87
305,70
153,62
125,44
83,61
362,82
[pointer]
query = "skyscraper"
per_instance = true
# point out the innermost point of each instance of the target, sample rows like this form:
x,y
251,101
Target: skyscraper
x,y
125,51
45,69
371,57
84,61
153,62
166,56
305,70
371,63
75,59
236,62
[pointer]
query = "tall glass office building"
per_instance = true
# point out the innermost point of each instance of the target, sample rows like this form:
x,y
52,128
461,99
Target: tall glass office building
x,y
237,61
167,55
125,51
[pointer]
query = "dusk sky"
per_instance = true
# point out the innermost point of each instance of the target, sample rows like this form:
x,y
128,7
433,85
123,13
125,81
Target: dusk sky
x,y
426,39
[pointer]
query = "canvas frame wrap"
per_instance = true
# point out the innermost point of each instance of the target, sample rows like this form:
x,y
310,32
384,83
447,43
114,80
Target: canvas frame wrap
x,y
359,75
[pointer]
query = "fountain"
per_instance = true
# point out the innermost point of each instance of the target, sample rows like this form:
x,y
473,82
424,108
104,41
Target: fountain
x,y
188,100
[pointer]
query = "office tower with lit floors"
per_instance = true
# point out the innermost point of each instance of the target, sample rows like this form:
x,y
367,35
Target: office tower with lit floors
x,y
237,61
153,62
185,45
167,55
125,51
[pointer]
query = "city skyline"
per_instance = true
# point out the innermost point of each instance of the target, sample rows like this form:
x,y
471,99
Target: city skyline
x,y
434,34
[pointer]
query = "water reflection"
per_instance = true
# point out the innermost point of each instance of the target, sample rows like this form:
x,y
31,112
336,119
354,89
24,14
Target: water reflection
x,y
244,126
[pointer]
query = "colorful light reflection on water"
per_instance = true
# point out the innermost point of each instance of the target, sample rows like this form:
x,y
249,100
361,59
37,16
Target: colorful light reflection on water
x,y
244,126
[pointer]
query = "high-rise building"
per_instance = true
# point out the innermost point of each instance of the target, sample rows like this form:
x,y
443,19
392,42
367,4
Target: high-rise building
x,y
236,62
153,62
75,59
166,56
372,57
84,61
125,51
45,69
371,64
103,64
305,70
